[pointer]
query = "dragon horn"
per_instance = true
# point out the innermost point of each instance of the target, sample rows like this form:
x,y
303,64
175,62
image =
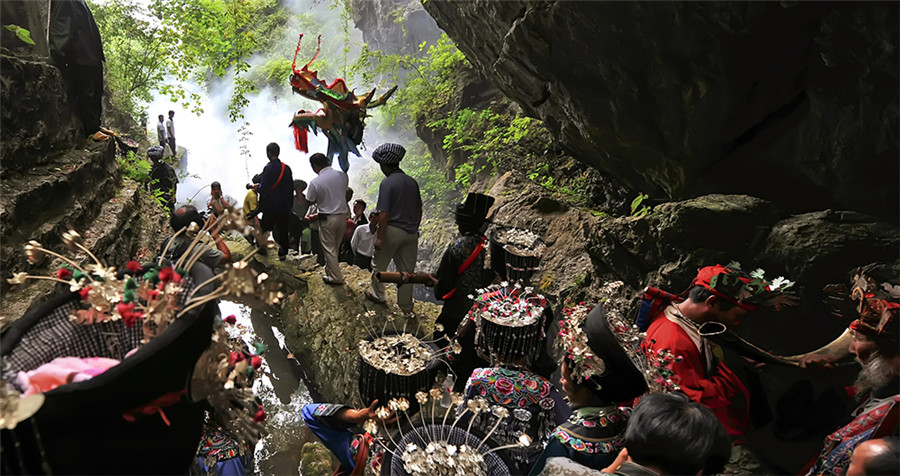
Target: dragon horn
x,y
318,47
296,52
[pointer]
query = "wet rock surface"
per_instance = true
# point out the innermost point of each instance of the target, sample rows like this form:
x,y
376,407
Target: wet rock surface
x,y
322,323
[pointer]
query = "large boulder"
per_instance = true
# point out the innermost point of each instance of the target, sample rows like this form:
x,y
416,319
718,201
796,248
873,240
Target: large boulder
x,y
792,102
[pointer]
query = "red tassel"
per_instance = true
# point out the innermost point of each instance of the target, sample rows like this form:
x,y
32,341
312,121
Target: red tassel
x,y
300,139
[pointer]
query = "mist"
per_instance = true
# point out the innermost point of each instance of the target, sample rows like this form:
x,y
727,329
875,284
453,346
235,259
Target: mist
x,y
213,143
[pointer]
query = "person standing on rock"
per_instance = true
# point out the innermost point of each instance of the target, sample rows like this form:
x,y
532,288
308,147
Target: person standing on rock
x,y
399,215
77,50
299,210
162,176
251,206
461,272
161,132
170,132
328,191
276,197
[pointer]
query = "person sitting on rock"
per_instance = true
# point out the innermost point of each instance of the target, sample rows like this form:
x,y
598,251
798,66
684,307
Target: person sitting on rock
x,y
363,242
217,201
509,334
461,272
181,242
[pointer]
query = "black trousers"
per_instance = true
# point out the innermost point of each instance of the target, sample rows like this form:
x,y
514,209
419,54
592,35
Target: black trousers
x,y
278,223
361,261
316,245
85,87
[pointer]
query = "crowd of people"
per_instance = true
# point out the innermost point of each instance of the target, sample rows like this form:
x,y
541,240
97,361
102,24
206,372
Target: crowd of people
x,y
661,401
656,397
319,217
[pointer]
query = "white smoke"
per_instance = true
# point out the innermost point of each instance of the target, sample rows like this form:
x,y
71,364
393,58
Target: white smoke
x,y
213,143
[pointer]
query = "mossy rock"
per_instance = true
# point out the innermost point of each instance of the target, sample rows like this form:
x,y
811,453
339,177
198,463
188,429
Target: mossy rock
x,y
315,460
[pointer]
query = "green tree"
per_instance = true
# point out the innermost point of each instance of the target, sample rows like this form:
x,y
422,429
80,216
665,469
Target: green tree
x,y
136,53
215,38
195,41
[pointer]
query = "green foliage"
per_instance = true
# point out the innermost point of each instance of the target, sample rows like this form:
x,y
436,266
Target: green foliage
x,y
464,175
637,208
136,50
273,73
429,85
483,136
214,38
134,167
21,33
193,40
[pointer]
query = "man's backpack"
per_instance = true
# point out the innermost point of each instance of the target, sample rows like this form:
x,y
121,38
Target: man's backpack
x,y
651,302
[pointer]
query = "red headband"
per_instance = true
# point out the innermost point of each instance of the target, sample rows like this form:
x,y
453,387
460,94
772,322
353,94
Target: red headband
x,y
704,277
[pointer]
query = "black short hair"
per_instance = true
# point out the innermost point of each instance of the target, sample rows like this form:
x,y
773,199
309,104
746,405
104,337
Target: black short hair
x,y
361,202
700,294
272,150
216,185
301,184
184,216
171,113
887,462
319,160
678,436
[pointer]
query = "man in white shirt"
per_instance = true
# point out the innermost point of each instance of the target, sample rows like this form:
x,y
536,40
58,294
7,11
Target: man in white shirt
x,y
363,242
161,132
328,191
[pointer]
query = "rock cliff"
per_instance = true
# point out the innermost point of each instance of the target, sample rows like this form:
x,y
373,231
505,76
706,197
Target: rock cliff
x,y
792,102
54,180
665,248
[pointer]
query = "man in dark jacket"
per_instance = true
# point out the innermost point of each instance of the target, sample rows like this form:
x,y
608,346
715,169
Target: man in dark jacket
x,y
77,51
276,197
162,176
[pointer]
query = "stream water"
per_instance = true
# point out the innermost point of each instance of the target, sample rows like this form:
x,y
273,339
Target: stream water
x,y
280,387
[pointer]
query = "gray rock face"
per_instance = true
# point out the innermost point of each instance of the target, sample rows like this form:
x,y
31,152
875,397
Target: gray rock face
x,y
793,102
36,118
394,26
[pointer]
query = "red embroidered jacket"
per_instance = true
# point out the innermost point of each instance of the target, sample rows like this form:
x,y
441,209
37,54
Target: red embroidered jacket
x,y
718,389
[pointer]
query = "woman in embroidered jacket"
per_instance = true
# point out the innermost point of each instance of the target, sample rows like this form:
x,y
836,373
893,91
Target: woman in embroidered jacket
x,y
509,334
597,376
